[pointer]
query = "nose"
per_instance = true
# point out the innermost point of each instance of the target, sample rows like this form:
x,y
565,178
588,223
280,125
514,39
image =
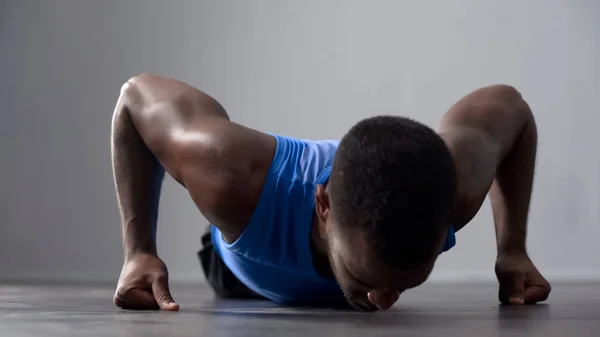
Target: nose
x,y
383,299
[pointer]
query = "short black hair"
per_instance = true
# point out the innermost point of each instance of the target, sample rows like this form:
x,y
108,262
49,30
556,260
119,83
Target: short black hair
x,y
394,178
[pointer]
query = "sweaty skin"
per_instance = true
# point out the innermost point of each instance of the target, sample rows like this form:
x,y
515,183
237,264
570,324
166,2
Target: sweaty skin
x,y
161,124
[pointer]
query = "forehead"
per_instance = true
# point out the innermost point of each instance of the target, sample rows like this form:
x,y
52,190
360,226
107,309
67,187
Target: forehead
x,y
359,261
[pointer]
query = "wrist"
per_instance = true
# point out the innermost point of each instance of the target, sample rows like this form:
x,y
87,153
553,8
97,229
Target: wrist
x,y
512,249
511,242
132,250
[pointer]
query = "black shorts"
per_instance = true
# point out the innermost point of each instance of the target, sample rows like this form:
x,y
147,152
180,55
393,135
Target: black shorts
x,y
218,275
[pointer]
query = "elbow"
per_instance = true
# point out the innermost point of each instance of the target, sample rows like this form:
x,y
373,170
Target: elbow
x,y
505,90
130,94
512,100
506,94
140,80
147,91
133,98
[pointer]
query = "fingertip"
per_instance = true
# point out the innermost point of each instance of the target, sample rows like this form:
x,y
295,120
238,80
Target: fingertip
x,y
383,300
516,301
536,294
171,306
118,302
372,296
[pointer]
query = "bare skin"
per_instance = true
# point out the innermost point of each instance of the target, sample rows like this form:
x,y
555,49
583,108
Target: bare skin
x,y
161,124
493,137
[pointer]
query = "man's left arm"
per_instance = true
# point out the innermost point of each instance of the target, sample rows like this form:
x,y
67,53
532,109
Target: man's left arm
x,y
493,137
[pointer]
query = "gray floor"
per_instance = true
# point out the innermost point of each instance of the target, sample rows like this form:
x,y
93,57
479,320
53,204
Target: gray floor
x,y
432,310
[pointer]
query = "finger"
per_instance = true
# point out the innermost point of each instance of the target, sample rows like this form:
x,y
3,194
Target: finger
x,y
135,299
512,289
162,294
383,299
535,294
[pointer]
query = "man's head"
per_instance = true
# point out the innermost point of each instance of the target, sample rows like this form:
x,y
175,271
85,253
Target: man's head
x,y
387,208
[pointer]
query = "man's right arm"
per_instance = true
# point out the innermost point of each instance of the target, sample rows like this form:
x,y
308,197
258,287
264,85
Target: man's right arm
x,y
159,125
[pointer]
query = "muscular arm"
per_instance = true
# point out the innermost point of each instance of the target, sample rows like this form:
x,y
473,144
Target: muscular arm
x,y
493,138
159,125
492,135
163,124
146,132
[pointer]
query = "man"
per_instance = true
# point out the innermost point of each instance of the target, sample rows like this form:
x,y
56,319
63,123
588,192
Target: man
x,y
297,221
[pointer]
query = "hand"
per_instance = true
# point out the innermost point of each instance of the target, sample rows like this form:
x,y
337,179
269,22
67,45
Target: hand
x,y
520,281
144,285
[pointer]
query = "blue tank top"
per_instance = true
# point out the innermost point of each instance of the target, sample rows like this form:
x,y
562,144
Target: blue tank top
x,y
273,255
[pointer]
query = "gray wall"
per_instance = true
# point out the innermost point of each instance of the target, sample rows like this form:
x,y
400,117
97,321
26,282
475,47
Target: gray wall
x,y
308,69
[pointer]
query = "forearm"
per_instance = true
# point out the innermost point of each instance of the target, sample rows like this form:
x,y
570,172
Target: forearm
x,y
510,193
138,178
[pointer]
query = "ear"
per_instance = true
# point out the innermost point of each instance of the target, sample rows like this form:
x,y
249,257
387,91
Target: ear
x,y
322,204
